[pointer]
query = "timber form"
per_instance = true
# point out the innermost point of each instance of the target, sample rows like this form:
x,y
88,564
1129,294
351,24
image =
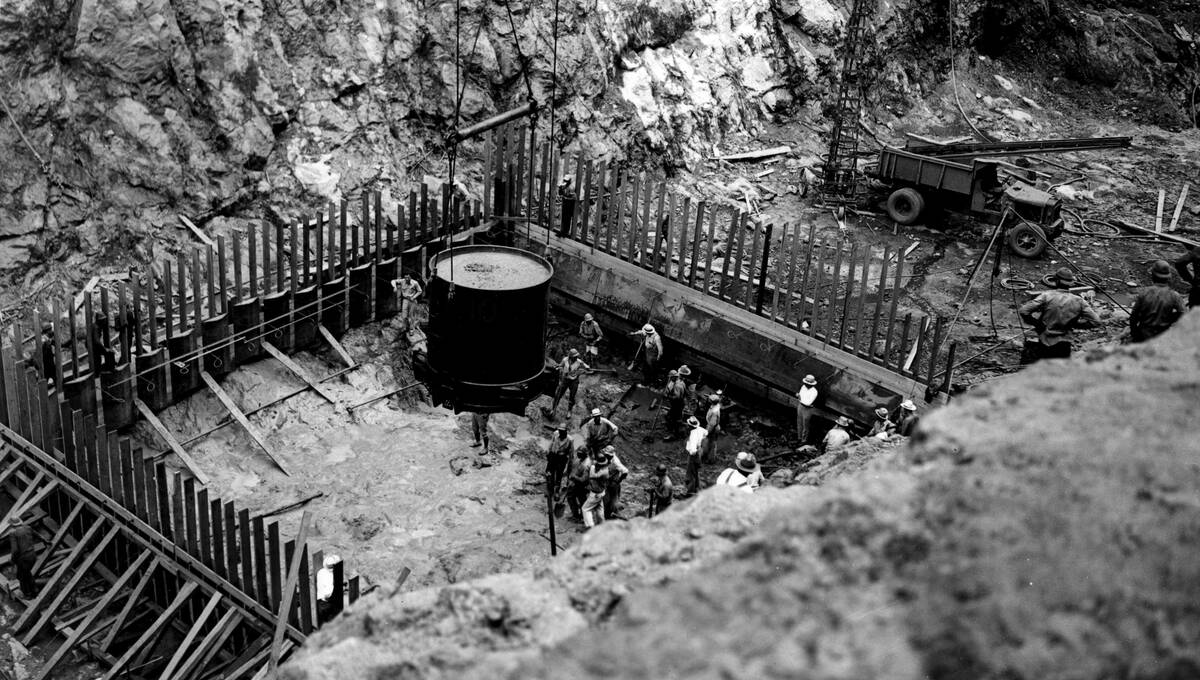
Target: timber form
x,y
129,548
846,297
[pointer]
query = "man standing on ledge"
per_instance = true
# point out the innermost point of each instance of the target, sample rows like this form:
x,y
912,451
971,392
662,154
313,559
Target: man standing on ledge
x,y
1058,312
805,399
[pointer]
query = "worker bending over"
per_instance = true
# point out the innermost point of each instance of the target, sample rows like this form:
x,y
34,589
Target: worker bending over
x,y
745,473
837,436
1158,307
1053,315
1188,267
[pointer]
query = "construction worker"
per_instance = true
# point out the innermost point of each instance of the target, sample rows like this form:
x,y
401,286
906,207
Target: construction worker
x,y
558,457
673,396
409,291
325,588
577,482
20,545
882,425
591,334
651,352
102,358
739,476
838,436
418,343
1156,308
806,398
598,432
907,422
691,405
712,423
566,193
1058,312
48,342
593,507
479,427
662,491
694,443
617,474
569,370
1188,267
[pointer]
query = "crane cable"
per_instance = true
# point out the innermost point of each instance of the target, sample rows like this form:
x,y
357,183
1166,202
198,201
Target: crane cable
x,y
553,100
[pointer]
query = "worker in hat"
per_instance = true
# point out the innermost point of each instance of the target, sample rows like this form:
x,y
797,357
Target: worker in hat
x,y
838,436
695,441
617,474
743,473
24,556
1188,267
806,399
566,194
418,343
558,457
590,331
691,403
102,356
1156,308
662,491
1054,314
409,292
650,350
907,422
48,342
569,371
598,475
883,426
479,428
327,604
712,423
577,481
598,432
673,395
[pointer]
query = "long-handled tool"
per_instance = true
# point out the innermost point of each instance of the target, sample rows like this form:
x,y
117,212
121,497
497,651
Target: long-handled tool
x,y
635,357
649,436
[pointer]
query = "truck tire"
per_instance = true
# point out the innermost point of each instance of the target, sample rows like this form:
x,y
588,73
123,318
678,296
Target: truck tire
x,y
1027,240
905,206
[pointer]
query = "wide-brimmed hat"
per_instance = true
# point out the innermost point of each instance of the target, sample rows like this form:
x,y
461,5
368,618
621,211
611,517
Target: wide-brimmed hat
x,y
693,422
647,328
1160,271
1064,276
17,521
908,405
714,398
843,421
47,327
561,428
573,353
595,412
746,462
809,380
587,317
330,561
881,412
684,370
660,470
672,373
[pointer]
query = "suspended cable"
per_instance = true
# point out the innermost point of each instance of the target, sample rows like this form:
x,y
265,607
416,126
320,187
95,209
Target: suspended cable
x,y
520,54
553,108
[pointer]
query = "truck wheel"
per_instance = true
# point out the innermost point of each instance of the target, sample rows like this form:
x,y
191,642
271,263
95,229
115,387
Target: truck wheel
x,y
1027,240
905,205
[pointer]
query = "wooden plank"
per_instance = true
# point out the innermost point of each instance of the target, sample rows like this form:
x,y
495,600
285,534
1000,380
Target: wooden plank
x,y
218,536
305,594
337,346
247,559
684,228
203,529
780,261
152,632
861,324
934,348
918,346
710,243
65,589
178,521
740,228
163,493
343,227
817,294
197,298
701,209
285,605
182,647
186,490
1158,213
59,535
131,601
274,566
240,417
299,372
883,272
232,556
166,435
259,549
586,195
835,280
139,489
210,645
750,262
792,260
51,588
891,324
900,358
852,260
1178,208
200,235
306,251
149,491
94,612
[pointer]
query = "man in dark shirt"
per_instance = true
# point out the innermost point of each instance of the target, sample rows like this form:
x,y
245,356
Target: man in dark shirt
x,y
1156,307
1058,312
1188,267
20,541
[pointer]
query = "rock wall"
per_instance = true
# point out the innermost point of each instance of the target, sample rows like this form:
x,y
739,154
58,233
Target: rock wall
x,y
1043,526
122,114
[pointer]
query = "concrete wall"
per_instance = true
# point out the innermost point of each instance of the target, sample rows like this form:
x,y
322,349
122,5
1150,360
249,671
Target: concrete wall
x,y
732,344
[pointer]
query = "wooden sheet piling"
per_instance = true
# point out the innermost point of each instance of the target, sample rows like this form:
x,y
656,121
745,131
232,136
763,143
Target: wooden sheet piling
x,y
289,590
240,417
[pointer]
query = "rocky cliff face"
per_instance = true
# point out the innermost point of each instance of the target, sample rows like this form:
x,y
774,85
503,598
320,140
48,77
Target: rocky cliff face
x,y
1044,526
121,115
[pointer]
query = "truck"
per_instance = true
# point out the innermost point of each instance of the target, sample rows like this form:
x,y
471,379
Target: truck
x,y
965,178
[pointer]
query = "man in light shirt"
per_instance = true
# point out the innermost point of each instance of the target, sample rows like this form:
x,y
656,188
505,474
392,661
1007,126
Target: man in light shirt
x,y
838,436
694,441
806,398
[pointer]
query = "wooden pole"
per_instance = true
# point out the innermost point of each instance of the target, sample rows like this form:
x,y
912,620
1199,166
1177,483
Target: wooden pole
x,y
289,591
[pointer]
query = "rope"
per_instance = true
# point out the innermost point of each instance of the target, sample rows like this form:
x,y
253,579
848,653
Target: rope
x,y
520,54
954,76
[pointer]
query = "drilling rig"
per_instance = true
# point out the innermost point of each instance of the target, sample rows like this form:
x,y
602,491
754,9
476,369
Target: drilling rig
x,y
841,165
